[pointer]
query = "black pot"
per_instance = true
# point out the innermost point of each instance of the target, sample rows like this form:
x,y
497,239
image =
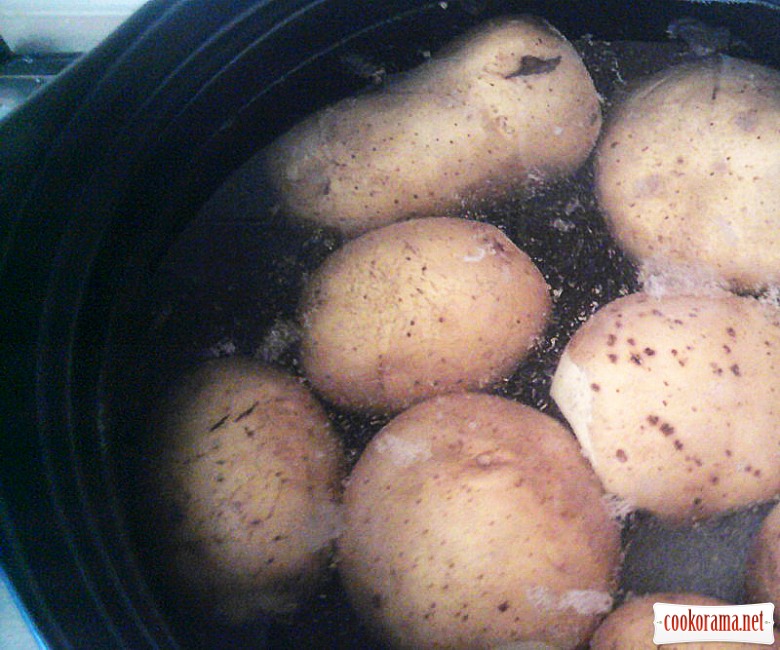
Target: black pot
x,y
100,173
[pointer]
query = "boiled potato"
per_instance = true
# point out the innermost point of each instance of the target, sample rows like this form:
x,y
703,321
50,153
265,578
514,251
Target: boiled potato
x,y
675,400
762,580
249,477
472,521
630,626
688,170
509,104
419,308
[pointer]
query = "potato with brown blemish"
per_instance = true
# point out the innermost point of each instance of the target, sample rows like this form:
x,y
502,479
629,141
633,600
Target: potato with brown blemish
x,y
419,308
630,626
247,484
688,169
762,576
676,401
472,521
507,105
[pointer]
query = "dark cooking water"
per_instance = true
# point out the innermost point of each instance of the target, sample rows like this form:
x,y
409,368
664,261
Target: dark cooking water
x,y
230,284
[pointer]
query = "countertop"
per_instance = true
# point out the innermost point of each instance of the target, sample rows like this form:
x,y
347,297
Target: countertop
x,y
15,634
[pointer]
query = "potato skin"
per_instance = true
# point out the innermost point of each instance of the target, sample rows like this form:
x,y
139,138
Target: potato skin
x,y
473,521
675,401
631,625
762,575
419,308
688,167
247,483
508,104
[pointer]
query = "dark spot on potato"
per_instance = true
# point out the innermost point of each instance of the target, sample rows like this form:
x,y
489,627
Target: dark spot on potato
x,y
731,332
649,352
631,341
667,429
218,423
595,388
611,340
531,65
735,370
635,358
678,445
716,369
653,420
621,455
503,606
613,358
246,413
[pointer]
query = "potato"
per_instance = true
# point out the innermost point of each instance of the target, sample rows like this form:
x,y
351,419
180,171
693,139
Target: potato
x,y
509,104
249,476
630,626
762,576
675,401
419,308
688,169
473,521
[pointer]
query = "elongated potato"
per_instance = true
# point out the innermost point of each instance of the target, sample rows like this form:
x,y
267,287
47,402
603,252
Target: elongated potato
x,y
688,171
248,479
675,401
473,521
419,308
509,103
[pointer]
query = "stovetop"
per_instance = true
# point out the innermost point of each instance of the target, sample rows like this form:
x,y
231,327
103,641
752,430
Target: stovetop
x,y
22,75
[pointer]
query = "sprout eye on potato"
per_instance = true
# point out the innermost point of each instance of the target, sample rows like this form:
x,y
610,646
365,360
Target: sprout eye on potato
x,y
472,521
248,481
688,169
508,104
419,308
675,401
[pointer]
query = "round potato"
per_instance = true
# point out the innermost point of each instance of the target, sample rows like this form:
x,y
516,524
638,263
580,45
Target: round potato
x,y
510,103
675,401
472,521
630,626
762,580
688,169
250,479
419,308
